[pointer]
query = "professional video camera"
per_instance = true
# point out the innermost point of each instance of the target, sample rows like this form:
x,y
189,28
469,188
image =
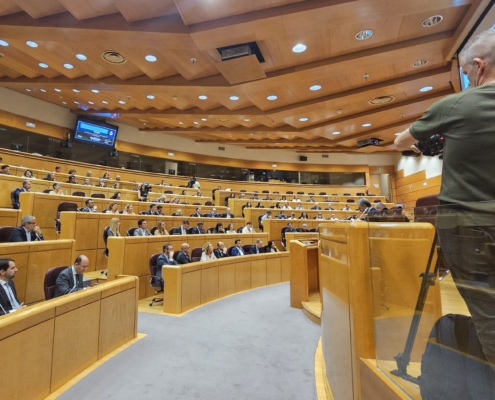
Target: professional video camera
x,y
144,190
431,147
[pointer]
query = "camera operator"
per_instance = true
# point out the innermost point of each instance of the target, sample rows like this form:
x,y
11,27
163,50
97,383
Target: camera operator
x,y
193,183
144,190
466,227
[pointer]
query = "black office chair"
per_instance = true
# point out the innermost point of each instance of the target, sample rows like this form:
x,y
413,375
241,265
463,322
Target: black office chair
x,y
50,279
130,231
64,206
156,282
239,230
105,239
196,254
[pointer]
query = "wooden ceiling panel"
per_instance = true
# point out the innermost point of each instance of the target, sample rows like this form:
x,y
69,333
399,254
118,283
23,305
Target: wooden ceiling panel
x,y
182,62
239,70
39,9
155,70
144,9
8,7
89,8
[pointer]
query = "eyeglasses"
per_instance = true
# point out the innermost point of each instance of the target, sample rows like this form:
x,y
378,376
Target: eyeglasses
x,y
32,223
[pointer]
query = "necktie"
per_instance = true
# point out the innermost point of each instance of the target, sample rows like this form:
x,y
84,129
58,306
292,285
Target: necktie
x,y
12,299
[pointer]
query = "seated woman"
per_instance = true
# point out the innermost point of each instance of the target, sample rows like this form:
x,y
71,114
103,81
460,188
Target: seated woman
x,y
162,199
28,174
116,196
283,198
49,177
270,247
116,185
128,210
112,209
230,229
207,253
57,189
277,205
304,215
175,200
184,193
259,205
101,183
160,229
162,183
89,174
114,229
219,228
106,175
177,213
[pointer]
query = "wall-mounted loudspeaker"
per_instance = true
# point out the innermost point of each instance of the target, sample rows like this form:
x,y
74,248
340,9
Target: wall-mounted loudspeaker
x,y
303,158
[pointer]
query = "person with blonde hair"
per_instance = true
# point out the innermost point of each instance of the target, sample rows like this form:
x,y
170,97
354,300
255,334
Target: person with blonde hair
x,y
128,210
207,253
177,213
160,229
114,229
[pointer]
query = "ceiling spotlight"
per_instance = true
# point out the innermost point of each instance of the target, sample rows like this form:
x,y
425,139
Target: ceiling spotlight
x,y
364,34
234,98
150,58
426,89
75,90
81,57
247,119
121,102
251,134
274,165
43,90
339,111
171,154
299,48
64,102
272,97
32,44
57,90
336,133
196,123
28,90
90,102
202,97
68,66
3,43
43,65
420,63
181,123
366,125
204,119
150,96
314,88
432,21
95,91
303,119
76,102
105,102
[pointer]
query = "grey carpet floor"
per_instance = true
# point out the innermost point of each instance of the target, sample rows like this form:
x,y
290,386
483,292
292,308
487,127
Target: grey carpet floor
x,y
249,346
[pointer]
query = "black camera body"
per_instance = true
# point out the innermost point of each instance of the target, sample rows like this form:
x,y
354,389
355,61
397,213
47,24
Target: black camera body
x,y
432,147
145,189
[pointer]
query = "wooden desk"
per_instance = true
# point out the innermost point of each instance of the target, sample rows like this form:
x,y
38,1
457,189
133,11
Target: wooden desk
x,y
304,275
9,217
46,345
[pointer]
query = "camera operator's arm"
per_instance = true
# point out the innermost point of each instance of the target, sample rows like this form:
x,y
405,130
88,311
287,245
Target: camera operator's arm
x,y
405,141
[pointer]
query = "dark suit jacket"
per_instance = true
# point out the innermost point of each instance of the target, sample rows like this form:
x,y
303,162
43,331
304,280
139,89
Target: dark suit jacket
x,y
211,215
197,231
252,250
87,209
19,235
16,197
4,298
195,215
149,212
219,254
227,215
183,258
65,283
161,261
237,252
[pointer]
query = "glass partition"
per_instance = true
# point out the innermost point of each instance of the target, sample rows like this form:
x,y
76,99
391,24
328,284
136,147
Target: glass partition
x,y
433,299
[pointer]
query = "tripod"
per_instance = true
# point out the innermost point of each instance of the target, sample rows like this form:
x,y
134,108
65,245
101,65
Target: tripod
x,y
428,279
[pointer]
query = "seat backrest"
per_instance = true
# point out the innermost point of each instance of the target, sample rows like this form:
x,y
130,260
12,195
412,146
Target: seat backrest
x,y
239,230
105,234
350,200
208,203
152,263
276,192
82,194
376,201
130,231
243,191
347,194
265,191
289,192
98,196
168,192
190,230
175,231
5,232
47,190
152,230
323,193
50,279
229,250
246,248
196,204
196,254
300,192
67,206
311,194
431,200
359,194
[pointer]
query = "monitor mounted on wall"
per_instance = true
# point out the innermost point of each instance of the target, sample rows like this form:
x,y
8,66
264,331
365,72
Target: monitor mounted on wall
x,y
95,132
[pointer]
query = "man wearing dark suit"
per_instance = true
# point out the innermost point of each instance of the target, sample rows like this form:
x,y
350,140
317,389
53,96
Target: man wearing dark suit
x,y
142,230
181,230
8,296
27,232
220,251
26,185
167,258
213,213
159,210
316,207
71,279
197,213
183,257
237,250
257,248
90,206
290,228
152,211
198,230
366,209
227,214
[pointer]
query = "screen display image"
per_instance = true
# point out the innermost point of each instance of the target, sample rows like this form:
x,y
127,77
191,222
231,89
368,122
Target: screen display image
x,y
97,133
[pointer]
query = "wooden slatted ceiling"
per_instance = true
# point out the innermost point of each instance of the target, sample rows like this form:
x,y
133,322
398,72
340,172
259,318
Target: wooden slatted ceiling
x,y
178,32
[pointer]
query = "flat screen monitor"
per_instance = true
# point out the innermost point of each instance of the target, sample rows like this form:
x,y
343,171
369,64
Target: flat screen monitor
x,y
95,132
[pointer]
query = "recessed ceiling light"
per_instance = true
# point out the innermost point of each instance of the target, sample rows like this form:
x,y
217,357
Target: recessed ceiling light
x,y
90,102
336,133
314,88
81,57
247,119
202,97
30,43
57,90
64,102
150,96
150,58
364,34
251,134
303,119
28,90
105,102
366,125
272,97
121,102
76,102
196,123
181,123
95,91
234,98
68,66
75,90
381,100
43,90
299,48
204,119
432,21
43,65
3,43
426,89
419,63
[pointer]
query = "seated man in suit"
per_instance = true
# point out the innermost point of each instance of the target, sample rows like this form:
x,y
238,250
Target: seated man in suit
x,y
366,209
316,207
282,215
71,279
319,216
311,199
72,179
142,230
257,248
152,211
159,210
27,232
167,258
213,213
220,251
330,208
290,228
183,257
90,206
227,214
197,213
6,170
8,296
26,186
304,228
237,250
255,197
198,230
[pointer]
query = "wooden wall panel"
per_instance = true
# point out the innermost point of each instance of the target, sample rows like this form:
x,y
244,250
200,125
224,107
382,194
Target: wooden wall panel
x,y
412,187
258,271
242,274
9,217
209,283
191,290
273,271
226,278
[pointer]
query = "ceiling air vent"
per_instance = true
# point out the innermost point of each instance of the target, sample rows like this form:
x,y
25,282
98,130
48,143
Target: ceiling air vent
x,y
432,21
221,148
113,57
420,63
381,100
241,50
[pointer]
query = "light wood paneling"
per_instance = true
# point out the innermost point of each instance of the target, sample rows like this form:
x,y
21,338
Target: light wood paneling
x,y
242,274
258,271
209,282
273,271
226,278
191,289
